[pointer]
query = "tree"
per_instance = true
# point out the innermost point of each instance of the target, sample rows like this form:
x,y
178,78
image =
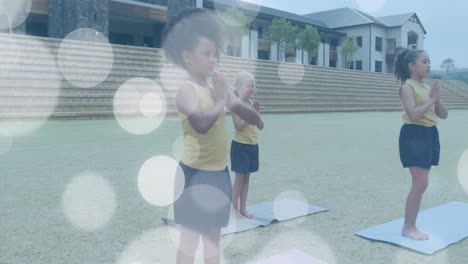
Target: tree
x,y
236,25
308,40
349,47
282,32
448,65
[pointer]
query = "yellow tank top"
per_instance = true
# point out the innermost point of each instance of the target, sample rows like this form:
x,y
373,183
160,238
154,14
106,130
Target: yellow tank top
x,y
207,151
248,135
421,93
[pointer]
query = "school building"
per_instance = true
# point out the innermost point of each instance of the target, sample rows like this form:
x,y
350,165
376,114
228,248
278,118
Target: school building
x,y
140,22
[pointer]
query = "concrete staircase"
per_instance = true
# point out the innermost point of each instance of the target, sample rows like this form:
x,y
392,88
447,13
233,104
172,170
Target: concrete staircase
x,y
32,85
458,87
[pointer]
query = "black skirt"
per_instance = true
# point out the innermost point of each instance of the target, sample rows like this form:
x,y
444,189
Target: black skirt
x,y
206,201
419,146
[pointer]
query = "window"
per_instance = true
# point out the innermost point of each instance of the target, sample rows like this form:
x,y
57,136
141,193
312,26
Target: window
x,y
313,61
148,42
351,65
378,43
359,65
154,2
391,46
36,29
313,57
260,32
121,39
378,66
233,51
359,41
263,54
333,44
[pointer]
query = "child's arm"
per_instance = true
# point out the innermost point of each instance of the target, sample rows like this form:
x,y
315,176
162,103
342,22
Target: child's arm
x,y
243,110
440,109
200,121
256,106
260,125
239,124
415,112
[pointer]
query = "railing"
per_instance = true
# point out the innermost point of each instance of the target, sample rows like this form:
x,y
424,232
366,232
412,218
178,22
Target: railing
x,y
391,53
153,2
264,44
391,50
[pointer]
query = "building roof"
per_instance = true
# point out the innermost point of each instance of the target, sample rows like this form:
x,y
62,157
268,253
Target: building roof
x,y
398,20
344,17
347,17
271,13
325,21
395,20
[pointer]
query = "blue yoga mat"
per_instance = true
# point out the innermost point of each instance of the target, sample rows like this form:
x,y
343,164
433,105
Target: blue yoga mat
x,y
446,224
293,256
267,213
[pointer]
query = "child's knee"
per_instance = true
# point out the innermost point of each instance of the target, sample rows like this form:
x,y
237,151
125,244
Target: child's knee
x,y
246,179
213,238
420,186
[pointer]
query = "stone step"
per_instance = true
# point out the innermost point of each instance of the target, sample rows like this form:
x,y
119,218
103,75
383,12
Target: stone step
x,y
89,66
340,108
280,94
144,52
32,85
69,115
349,91
274,64
24,41
329,110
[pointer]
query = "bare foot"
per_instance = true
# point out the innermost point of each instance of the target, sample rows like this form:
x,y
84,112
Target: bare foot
x,y
414,233
236,214
246,214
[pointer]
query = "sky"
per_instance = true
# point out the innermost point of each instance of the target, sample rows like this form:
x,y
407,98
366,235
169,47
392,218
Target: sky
x,y
446,22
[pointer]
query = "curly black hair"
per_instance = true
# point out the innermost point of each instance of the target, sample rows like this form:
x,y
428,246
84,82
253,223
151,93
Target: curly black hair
x,y
182,32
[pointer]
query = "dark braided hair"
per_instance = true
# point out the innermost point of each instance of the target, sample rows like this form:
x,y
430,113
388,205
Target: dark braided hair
x,y
182,32
402,61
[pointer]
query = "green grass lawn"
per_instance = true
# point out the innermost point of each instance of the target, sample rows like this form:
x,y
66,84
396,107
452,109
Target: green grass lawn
x,y
346,162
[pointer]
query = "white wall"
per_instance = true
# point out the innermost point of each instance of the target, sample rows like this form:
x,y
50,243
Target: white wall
x,y
254,37
363,52
321,54
412,26
395,33
254,44
378,31
245,44
367,53
305,57
327,55
299,56
274,52
340,58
